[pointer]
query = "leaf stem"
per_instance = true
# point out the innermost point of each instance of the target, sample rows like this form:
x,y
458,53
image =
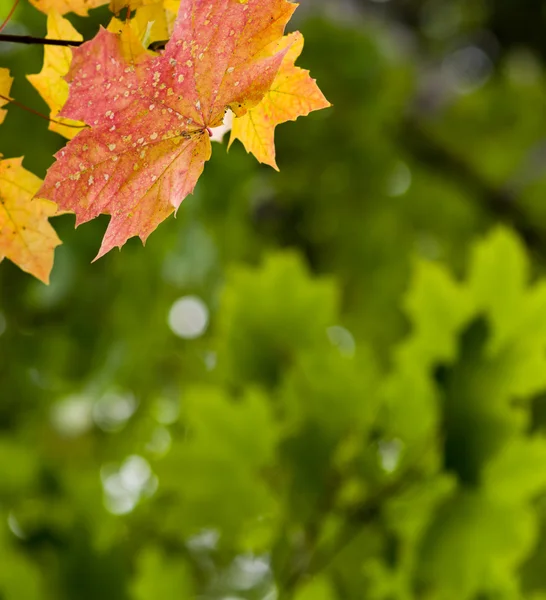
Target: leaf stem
x,y
39,114
28,39
10,14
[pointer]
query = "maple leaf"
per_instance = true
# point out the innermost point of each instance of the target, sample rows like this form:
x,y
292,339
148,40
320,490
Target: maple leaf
x,y
26,237
5,86
116,6
156,19
49,82
292,95
81,7
132,38
150,121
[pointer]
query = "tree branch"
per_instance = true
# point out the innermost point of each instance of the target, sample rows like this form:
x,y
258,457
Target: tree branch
x,y
28,39
356,520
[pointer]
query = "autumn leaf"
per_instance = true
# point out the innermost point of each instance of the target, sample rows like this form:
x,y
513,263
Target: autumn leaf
x,y
132,39
116,6
292,95
172,5
156,20
26,237
150,121
5,86
50,81
80,7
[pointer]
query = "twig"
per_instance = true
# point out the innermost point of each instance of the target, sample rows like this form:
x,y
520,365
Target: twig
x,y
10,14
356,520
29,39
39,114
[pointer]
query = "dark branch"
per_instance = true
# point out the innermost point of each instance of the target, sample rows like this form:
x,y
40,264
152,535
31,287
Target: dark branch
x,y
28,39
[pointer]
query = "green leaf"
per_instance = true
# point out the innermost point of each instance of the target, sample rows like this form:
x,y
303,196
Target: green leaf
x,y
498,278
318,588
438,307
335,392
517,473
474,545
228,444
159,575
269,315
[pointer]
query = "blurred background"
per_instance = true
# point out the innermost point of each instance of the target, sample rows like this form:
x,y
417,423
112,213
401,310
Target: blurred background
x,y
327,383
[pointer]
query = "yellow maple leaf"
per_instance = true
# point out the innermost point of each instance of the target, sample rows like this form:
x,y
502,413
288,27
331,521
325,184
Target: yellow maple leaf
x,y
26,236
172,5
50,81
116,6
133,40
150,23
5,87
80,7
156,20
293,94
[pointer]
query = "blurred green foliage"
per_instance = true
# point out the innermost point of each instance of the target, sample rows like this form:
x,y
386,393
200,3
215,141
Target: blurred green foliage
x,y
327,383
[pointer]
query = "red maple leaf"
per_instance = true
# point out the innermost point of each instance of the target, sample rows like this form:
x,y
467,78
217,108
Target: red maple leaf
x,y
149,121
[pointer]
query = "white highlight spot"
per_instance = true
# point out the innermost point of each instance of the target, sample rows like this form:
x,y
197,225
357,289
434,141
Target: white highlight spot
x,y
400,180
342,339
389,454
125,486
72,416
188,317
218,133
113,410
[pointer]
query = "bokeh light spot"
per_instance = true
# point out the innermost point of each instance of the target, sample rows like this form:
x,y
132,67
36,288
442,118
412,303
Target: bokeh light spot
x,y
188,317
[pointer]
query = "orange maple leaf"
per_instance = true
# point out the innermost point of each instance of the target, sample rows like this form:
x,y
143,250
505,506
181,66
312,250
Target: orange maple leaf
x,y
292,95
150,121
26,237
